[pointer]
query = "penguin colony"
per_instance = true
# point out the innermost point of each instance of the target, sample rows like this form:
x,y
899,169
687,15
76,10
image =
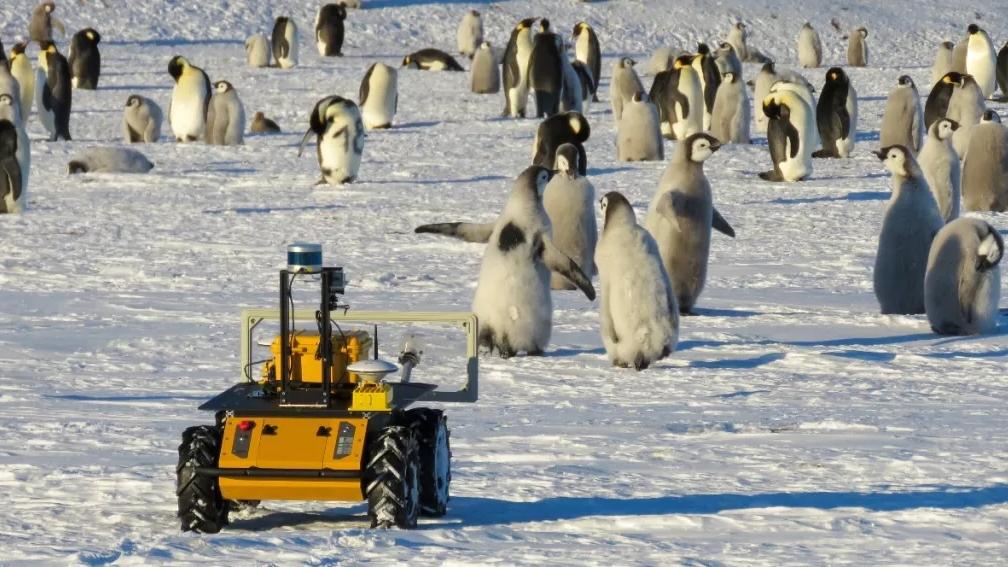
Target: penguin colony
x,y
945,155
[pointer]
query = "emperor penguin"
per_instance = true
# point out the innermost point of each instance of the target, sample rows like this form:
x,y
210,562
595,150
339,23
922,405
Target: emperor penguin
x,y
943,61
727,60
790,132
985,169
962,285
339,133
513,300
9,86
190,100
765,79
545,74
625,83
109,160
577,82
225,125
940,164
836,116
285,42
379,96
857,48
1002,72
903,119
12,186
485,76
681,215
731,116
936,106
792,81
638,311
54,96
515,69
639,135
21,69
565,128
10,112
329,30
910,223
981,60
588,51
263,125
85,59
584,79
809,47
569,200
431,59
257,51
142,120
738,37
679,98
966,106
710,79
470,33
41,26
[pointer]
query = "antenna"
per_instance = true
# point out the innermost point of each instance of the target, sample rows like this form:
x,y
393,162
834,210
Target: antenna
x,y
376,342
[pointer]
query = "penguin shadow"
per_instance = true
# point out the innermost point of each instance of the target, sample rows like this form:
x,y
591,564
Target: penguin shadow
x,y
870,136
738,363
131,88
409,126
476,179
852,196
571,351
373,4
710,312
269,210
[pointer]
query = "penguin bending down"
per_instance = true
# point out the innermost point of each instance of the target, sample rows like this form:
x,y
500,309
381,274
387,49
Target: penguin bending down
x,y
789,133
263,125
624,85
225,117
943,61
638,312
985,169
514,69
257,51
681,215
903,119
470,33
857,48
962,285
638,135
587,51
339,131
679,98
54,95
513,300
142,120
21,69
329,30
431,59
285,42
12,185
545,74
484,75
911,222
569,201
379,96
110,160
809,47
836,116
190,100
85,59
564,128
730,119
940,164
981,60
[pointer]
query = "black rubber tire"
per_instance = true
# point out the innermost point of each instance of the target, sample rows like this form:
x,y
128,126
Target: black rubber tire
x,y
431,427
392,487
201,508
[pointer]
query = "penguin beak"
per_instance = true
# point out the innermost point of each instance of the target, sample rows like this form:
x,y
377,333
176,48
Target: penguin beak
x,y
715,146
881,155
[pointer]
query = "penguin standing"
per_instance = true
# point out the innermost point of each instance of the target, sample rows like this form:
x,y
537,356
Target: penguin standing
x,y
809,47
985,169
679,98
257,51
379,96
515,69
638,312
285,42
513,300
339,131
484,75
836,116
942,62
936,106
142,120
545,74
681,215
588,51
639,133
41,26
189,101
470,33
727,61
625,83
431,59
940,164
962,284
710,79
791,81
789,133
966,106
761,88
569,200
12,187
576,81
54,96
564,128
903,119
21,69
329,30
981,60
22,152
857,48
910,223
263,125
85,59
738,37
730,119
225,124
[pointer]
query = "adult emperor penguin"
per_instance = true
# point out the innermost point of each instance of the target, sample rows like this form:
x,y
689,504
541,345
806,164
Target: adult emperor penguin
x,y
515,69
189,101
638,313
903,119
937,103
545,74
940,164
513,300
41,25
765,79
625,83
21,69
484,75
22,153
142,120
257,51
730,119
789,133
857,48
962,284
710,79
588,51
54,95
910,223
11,184
681,215
836,115
470,33
339,131
679,98
985,169
981,60
225,124
285,42
942,62
329,30
109,160
564,128
431,59
638,135
85,59
809,47
379,96
569,200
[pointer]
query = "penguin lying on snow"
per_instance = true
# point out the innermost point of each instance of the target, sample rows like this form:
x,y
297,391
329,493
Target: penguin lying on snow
x,y
431,59
110,160
963,281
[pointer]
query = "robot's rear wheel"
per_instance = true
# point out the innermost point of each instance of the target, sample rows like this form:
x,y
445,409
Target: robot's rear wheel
x,y
431,428
201,508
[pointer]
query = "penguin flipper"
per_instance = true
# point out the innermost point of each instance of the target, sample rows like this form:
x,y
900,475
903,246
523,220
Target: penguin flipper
x,y
467,231
562,264
721,225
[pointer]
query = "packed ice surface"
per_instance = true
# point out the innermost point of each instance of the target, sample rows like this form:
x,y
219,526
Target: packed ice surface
x,y
794,425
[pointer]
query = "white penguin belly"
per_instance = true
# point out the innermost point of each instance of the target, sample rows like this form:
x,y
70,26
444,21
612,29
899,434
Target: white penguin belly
x,y
187,108
980,63
338,159
582,49
846,145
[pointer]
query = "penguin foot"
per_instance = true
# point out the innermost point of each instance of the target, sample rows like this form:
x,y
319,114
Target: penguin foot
x,y
824,154
771,175
641,363
595,98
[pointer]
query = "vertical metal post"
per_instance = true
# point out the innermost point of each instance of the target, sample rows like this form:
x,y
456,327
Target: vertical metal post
x,y
285,346
325,335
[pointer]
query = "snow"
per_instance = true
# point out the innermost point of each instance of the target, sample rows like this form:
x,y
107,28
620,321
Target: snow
x,y
794,425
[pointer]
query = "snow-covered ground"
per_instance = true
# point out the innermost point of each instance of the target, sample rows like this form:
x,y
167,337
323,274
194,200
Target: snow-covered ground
x,y
794,425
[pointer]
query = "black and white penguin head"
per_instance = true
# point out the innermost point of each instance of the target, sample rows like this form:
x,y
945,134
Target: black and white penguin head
x,y
945,127
525,24
532,182
906,81
485,45
772,105
544,26
700,146
991,115
740,26
954,78
616,210
948,45
702,49
627,63
806,26
6,100
91,35
836,76
133,101
728,77
897,159
48,47
973,29
222,87
578,125
49,7
683,61
566,161
991,248
18,49
176,66
580,27
863,32
640,96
